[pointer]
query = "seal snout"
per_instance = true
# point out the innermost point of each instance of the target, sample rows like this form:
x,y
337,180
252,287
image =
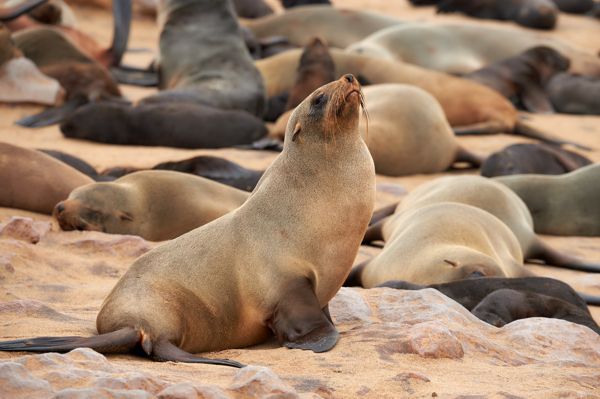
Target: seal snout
x,y
349,78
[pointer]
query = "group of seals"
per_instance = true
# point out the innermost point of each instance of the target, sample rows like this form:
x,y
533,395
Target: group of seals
x,y
155,205
209,297
566,204
499,301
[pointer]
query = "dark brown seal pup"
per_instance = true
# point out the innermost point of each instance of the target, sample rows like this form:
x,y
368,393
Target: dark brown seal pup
x,y
574,94
34,181
231,282
213,168
219,72
527,158
522,78
184,125
538,14
155,205
574,6
566,204
499,301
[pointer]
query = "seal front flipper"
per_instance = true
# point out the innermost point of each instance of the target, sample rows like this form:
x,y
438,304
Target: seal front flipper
x,y
299,322
165,351
53,115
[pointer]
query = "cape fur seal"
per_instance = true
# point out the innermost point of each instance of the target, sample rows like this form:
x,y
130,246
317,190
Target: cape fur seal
x,y
522,78
184,125
526,158
574,94
567,204
155,205
464,48
470,107
499,301
34,181
219,72
575,6
492,197
538,14
208,297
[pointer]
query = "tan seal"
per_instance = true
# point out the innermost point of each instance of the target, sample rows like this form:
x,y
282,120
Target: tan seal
x,y
271,265
34,181
155,204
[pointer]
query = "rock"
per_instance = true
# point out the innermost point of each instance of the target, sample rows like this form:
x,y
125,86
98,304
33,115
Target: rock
x,y
31,308
24,229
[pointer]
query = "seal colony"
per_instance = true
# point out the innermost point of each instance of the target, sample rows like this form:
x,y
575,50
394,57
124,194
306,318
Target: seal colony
x,y
297,281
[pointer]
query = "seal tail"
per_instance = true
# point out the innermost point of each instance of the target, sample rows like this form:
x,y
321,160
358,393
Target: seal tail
x,y
550,256
121,341
10,13
523,129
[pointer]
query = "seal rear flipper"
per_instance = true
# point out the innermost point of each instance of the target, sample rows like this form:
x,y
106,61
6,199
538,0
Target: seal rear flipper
x,y
463,155
121,28
135,76
165,351
299,322
552,257
593,300
51,116
526,130
120,341
374,233
10,13
382,213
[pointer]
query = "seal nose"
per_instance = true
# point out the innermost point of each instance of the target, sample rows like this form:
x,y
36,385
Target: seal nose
x,y
60,207
349,78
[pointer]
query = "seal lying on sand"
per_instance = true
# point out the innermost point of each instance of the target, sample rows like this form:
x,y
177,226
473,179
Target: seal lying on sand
x,y
257,269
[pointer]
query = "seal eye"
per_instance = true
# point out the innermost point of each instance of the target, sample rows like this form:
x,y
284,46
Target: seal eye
x,y
320,100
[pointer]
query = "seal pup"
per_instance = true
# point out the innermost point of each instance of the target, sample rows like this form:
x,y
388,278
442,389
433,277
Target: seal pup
x,y
220,72
526,158
470,107
492,197
574,94
212,298
464,48
538,14
183,125
439,243
34,181
213,168
566,205
499,301
522,78
155,205
21,80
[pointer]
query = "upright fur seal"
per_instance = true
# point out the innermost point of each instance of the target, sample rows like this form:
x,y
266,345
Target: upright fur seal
x,y
219,72
470,108
574,94
525,158
492,197
567,204
522,78
184,125
539,14
228,283
155,205
34,181
499,301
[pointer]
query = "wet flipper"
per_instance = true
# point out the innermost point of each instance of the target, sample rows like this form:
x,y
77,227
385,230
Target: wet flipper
x,y
552,257
299,322
120,341
10,13
526,130
51,116
165,351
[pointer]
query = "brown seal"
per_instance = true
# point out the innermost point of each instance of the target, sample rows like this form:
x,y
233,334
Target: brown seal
x,y
574,94
155,205
34,181
492,197
499,301
527,158
566,204
229,283
470,107
538,14
522,78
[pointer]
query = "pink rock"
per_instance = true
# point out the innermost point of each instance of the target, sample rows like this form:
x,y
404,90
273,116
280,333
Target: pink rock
x,y
24,229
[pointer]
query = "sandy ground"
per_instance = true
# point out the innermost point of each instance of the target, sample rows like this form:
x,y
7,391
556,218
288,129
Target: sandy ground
x,y
79,295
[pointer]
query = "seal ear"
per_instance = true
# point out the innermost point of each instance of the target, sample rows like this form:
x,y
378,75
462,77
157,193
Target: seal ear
x,y
300,323
125,216
297,129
